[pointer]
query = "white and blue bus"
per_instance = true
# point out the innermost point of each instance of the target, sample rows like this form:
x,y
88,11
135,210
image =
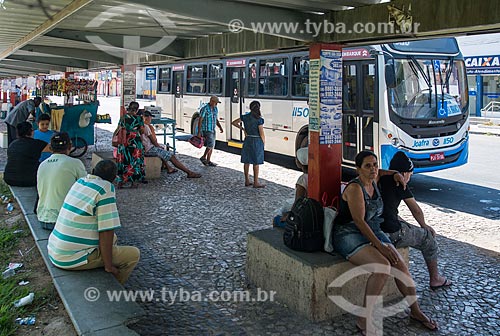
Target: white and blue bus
x,y
409,96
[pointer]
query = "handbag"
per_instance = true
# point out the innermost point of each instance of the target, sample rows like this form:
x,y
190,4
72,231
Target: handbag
x,y
119,137
196,141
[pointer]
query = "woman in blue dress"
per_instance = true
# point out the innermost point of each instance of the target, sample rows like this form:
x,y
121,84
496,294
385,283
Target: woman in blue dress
x,y
252,153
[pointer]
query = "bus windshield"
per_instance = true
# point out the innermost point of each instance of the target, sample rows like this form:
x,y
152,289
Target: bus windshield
x,y
428,88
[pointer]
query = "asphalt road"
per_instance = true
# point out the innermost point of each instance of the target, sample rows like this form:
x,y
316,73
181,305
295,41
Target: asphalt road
x,y
473,188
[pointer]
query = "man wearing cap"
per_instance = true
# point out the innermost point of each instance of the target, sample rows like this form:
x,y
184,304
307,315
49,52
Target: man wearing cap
x,y
206,128
400,232
151,146
55,177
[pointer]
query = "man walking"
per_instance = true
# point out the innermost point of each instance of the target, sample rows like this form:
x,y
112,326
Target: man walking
x,y
18,114
206,128
84,237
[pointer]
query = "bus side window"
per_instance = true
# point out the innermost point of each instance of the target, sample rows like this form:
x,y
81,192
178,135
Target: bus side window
x,y
368,86
252,78
196,78
164,80
215,78
300,77
349,87
273,77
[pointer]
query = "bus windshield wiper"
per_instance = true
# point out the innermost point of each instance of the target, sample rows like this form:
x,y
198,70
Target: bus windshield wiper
x,y
414,64
444,84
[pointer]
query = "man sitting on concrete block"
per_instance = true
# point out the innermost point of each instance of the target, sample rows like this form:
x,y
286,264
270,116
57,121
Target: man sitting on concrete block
x,y
83,237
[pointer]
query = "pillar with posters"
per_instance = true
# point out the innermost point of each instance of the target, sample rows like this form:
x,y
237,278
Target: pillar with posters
x,y
128,87
325,122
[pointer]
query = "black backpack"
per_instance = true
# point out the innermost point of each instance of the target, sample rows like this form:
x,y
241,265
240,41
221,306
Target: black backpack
x,y
304,226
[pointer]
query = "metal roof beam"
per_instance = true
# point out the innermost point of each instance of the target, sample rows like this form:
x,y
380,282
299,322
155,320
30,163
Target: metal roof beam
x,y
8,63
73,7
223,12
14,72
52,61
83,54
115,42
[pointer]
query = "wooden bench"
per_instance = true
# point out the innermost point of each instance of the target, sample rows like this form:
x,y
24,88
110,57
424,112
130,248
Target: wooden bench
x,y
152,164
301,280
89,317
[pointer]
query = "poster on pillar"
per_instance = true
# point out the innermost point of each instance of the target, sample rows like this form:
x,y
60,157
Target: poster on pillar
x,y
128,85
330,97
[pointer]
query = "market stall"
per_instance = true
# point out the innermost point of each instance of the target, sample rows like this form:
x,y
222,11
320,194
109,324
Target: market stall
x,y
78,114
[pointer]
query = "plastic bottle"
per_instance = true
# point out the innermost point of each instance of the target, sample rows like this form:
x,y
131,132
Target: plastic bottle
x,y
8,273
9,208
26,321
25,300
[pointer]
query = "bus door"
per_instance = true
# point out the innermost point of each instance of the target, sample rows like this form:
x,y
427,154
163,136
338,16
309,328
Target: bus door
x,y
235,85
178,87
358,109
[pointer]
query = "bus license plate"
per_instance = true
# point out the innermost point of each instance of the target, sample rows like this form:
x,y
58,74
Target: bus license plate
x,y
437,157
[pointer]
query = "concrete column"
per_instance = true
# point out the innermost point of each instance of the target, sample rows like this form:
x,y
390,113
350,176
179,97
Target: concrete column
x,y
128,86
325,121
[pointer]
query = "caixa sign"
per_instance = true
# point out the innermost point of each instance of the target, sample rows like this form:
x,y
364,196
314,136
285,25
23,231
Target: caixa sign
x,y
300,112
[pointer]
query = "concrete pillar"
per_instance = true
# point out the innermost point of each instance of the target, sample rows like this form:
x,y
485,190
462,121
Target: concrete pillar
x,y
128,86
325,121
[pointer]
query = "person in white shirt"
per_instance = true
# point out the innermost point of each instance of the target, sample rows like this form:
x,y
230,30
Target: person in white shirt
x,y
55,176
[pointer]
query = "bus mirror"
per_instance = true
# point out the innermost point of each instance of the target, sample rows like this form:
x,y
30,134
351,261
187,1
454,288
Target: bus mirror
x,y
390,76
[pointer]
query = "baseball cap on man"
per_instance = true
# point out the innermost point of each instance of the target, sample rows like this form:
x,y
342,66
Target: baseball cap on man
x,y
215,98
401,163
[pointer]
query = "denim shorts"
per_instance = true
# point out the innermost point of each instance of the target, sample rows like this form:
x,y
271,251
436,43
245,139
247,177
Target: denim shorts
x,y
348,240
164,154
209,139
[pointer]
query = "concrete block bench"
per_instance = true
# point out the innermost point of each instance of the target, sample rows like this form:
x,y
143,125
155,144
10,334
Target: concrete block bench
x,y
301,279
152,163
97,315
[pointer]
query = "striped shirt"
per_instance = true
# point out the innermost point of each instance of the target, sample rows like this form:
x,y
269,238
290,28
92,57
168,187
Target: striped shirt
x,y
209,116
89,208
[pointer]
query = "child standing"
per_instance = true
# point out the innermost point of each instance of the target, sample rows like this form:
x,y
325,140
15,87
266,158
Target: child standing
x,y
43,133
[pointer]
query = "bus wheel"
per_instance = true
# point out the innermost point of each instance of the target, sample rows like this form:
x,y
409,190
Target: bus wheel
x,y
194,126
78,147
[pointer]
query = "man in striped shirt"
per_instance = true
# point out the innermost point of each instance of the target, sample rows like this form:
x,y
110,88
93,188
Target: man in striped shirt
x,y
83,237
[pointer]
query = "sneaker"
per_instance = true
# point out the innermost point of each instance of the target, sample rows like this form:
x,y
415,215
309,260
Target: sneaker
x,y
211,164
204,161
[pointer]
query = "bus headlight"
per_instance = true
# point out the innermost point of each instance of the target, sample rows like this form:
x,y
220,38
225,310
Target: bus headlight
x,y
459,125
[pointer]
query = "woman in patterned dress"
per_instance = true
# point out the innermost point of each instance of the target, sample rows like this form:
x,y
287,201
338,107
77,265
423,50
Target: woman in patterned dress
x,y
130,157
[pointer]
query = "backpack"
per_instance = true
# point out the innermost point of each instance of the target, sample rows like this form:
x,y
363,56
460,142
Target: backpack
x,y
304,226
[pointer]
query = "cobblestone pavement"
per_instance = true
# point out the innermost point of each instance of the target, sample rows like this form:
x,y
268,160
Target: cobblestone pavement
x,y
192,236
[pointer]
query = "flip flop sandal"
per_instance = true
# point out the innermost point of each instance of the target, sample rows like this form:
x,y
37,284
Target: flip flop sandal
x,y
211,164
446,283
204,161
429,323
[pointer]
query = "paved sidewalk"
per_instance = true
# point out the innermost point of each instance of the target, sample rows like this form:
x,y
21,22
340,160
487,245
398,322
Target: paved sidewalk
x,y
192,236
